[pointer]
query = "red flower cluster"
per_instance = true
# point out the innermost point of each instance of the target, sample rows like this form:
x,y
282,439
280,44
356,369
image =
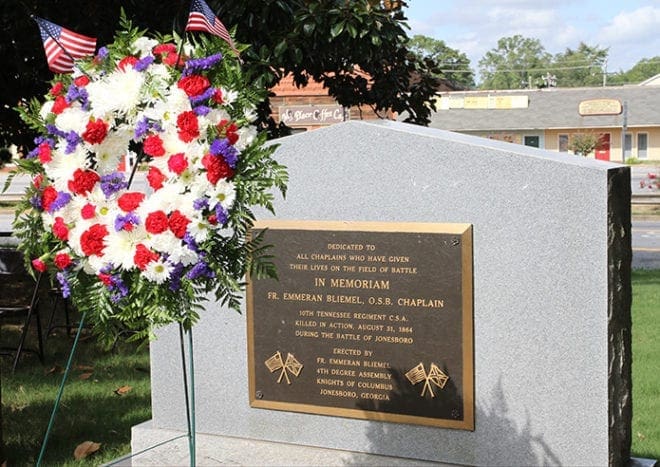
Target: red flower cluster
x,y
127,62
167,54
60,229
155,178
45,154
48,197
83,181
194,85
92,240
188,126
177,163
130,201
88,211
95,131
62,261
178,223
228,130
143,256
153,146
216,168
156,222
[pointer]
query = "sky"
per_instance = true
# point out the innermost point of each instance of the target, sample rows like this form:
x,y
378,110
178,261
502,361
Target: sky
x,y
629,28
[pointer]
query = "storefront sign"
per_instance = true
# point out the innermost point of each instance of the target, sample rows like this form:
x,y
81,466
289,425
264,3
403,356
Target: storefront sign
x,y
306,115
600,107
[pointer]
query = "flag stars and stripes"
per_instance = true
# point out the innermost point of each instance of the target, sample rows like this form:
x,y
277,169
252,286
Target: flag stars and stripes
x,y
63,46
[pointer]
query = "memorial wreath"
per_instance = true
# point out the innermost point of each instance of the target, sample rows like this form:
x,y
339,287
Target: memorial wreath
x,y
182,111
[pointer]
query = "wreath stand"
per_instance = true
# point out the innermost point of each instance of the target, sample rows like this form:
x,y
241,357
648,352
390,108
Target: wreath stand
x,y
188,388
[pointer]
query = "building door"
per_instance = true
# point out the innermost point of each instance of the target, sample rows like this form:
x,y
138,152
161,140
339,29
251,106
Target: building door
x,y
603,149
642,145
532,141
627,146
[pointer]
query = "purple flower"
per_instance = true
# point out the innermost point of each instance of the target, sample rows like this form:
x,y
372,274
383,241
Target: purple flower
x,y
190,242
143,126
224,148
201,110
75,93
221,214
102,53
53,130
64,284
118,289
72,140
35,201
112,183
63,198
200,204
205,63
143,63
198,270
206,95
126,222
175,277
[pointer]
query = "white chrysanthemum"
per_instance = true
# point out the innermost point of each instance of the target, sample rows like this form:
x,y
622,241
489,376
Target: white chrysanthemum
x,y
46,109
180,253
174,102
122,246
158,271
172,143
72,119
95,264
62,166
143,46
228,96
109,152
117,92
165,199
164,242
250,114
224,193
215,116
199,228
246,136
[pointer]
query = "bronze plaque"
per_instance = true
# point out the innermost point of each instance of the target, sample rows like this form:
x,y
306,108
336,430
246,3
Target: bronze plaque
x,y
368,320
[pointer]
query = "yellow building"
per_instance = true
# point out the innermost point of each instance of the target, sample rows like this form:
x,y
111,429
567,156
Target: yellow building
x,y
625,117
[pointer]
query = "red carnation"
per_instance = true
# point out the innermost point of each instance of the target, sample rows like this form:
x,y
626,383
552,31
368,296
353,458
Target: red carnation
x,y
57,88
229,130
39,265
127,62
59,105
156,222
167,54
81,81
178,223
177,163
155,178
105,278
91,241
88,211
153,146
130,201
194,85
62,261
38,180
217,96
144,256
95,131
188,126
83,181
48,197
60,229
45,154
216,168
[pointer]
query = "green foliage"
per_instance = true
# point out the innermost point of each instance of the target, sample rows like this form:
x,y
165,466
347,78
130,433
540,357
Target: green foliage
x,y
583,144
641,71
443,61
513,64
583,66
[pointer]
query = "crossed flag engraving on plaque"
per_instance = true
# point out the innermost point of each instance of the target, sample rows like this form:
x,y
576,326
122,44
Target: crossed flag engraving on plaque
x,y
434,376
290,365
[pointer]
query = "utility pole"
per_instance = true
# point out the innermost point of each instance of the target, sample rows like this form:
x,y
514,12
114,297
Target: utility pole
x,y
624,128
605,73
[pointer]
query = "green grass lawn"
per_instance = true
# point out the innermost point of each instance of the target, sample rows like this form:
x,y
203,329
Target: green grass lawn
x,y
91,409
646,364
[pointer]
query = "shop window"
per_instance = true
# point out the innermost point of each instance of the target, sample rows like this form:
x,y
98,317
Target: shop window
x,y
627,146
532,141
642,145
563,143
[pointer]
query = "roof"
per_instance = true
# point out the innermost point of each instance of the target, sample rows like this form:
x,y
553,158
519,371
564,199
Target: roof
x,y
551,108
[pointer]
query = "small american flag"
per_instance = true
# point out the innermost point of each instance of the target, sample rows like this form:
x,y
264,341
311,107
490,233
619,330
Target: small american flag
x,y
62,46
275,362
417,374
202,18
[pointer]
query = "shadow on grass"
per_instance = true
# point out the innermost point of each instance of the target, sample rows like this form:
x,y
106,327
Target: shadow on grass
x,y
92,408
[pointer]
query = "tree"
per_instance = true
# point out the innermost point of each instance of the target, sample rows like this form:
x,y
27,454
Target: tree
x,y
356,49
515,63
643,70
584,144
444,61
583,66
